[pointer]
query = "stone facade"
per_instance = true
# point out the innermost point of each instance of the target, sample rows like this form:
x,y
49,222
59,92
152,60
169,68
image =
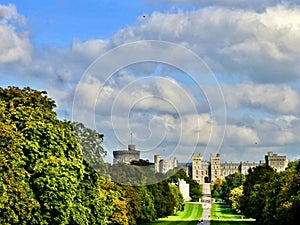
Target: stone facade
x,y
126,156
164,165
277,162
184,189
205,172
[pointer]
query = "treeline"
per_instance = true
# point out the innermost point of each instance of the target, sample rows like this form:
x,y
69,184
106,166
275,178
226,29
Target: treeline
x,y
268,196
50,171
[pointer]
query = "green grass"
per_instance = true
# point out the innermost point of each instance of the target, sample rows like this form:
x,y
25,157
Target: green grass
x,y
224,222
222,214
190,216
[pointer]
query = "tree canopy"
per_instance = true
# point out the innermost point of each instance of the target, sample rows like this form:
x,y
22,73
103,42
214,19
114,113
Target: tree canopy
x,y
50,171
268,196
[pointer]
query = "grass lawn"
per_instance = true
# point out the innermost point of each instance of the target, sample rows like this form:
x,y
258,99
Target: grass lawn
x,y
222,214
190,216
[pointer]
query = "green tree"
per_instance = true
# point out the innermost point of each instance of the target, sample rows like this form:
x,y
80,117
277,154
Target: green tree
x,y
282,200
148,212
17,200
217,188
44,177
133,201
47,154
255,190
234,198
231,181
90,142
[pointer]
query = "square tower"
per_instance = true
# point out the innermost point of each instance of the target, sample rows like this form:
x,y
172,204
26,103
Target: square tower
x,y
215,167
196,168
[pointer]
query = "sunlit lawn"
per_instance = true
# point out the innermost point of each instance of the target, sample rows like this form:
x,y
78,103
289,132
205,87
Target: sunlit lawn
x,y
190,216
222,214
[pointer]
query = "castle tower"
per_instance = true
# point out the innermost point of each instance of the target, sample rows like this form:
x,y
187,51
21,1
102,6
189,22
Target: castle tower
x,y
197,168
215,167
128,156
277,162
157,159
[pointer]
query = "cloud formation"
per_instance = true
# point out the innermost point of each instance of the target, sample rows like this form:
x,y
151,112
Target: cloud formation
x,y
281,99
262,46
253,4
14,44
254,52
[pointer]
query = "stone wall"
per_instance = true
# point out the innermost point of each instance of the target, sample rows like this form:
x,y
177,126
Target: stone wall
x,y
126,156
205,172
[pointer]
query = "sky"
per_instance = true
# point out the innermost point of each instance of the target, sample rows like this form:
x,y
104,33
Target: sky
x,y
173,77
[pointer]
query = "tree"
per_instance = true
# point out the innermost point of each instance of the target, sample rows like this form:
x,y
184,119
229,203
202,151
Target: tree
x,y
148,212
217,188
283,198
234,198
255,190
231,181
44,177
133,201
90,142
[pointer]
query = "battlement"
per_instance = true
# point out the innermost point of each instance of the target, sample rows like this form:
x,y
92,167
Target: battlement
x,y
205,172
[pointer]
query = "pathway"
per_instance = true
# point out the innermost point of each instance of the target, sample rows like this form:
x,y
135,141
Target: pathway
x,y
206,204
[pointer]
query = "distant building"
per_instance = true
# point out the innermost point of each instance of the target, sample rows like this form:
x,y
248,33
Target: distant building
x,y
164,165
184,189
126,156
205,172
277,162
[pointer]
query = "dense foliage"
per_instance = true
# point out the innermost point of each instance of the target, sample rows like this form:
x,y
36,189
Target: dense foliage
x,y
90,142
49,171
268,196
222,187
150,195
271,197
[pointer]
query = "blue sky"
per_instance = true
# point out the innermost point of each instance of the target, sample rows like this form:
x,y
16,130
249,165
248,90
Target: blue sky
x,y
58,23
241,98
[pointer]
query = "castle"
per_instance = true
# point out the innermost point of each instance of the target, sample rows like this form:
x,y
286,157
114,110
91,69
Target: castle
x,y
200,170
164,165
206,172
125,156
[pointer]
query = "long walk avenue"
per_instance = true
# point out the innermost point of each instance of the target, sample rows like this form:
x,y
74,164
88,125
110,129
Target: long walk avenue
x,y
206,204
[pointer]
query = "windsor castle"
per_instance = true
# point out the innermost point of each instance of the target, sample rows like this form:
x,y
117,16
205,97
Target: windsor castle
x,y
208,171
200,170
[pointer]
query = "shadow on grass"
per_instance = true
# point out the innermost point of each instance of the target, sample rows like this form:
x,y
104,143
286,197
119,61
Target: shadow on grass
x,y
223,214
173,222
228,222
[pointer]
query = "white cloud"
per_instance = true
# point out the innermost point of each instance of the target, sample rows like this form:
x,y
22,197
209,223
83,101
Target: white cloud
x,y
283,130
14,45
92,48
263,46
271,98
161,112
128,93
240,135
253,4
